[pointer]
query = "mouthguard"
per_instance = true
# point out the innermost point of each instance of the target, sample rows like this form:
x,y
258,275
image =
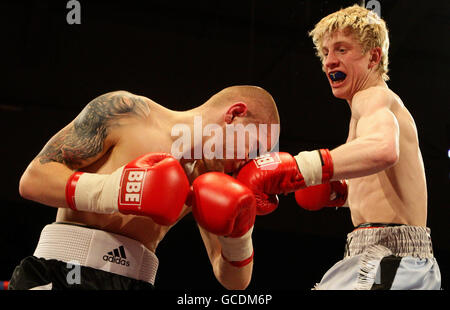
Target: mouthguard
x,y
338,75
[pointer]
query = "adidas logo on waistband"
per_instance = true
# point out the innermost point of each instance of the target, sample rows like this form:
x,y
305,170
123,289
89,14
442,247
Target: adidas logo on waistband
x,y
117,256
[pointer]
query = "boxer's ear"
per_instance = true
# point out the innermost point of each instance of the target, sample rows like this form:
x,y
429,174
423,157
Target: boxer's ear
x,y
237,109
375,57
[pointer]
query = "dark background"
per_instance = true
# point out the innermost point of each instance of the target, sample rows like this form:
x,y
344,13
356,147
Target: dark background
x,y
179,53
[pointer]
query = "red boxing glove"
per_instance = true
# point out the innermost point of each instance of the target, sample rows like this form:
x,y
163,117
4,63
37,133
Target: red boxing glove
x,y
222,205
225,207
277,173
313,198
153,185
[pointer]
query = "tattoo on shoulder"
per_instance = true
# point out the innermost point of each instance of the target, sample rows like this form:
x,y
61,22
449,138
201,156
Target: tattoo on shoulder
x,y
85,137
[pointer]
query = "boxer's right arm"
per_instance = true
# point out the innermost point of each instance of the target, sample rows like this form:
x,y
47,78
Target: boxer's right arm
x,y
225,211
87,138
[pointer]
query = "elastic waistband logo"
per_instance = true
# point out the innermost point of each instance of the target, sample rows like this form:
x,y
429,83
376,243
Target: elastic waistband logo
x,y
117,256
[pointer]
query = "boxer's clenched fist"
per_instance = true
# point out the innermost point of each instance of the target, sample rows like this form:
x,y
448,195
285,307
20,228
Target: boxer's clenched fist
x,y
282,173
313,198
153,185
225,207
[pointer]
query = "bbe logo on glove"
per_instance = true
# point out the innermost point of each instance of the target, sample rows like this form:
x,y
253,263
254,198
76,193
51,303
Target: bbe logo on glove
x,y
131,193
267,161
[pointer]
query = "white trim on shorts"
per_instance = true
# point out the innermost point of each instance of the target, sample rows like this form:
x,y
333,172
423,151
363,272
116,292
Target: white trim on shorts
x,y
97,249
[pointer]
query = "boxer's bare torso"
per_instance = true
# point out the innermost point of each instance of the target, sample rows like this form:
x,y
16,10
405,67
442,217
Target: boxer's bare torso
x,y
129,136
116,128
397,194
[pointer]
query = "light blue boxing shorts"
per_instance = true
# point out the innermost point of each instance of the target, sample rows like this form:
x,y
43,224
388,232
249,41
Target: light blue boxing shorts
x,y
385,257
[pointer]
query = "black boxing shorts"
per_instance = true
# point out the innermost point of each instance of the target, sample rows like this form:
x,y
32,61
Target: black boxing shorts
x,y
41,274
77,257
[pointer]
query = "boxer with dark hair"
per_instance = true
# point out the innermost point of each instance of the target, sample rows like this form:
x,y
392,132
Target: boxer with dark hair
x,y
119,189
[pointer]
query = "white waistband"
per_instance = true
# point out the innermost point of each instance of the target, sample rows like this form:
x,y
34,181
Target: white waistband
x,y
97,249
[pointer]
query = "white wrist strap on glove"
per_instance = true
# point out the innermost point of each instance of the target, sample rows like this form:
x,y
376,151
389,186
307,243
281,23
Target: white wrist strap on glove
x,y
98,193
310,166
237,249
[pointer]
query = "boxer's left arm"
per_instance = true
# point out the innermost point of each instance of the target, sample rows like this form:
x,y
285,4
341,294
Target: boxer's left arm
x,y
94,132
375,148
376,145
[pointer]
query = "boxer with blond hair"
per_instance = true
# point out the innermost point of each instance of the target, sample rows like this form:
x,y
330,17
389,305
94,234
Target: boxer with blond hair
x,y
379,171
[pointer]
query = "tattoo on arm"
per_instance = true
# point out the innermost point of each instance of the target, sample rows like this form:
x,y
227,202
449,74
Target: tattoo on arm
x,y
85,137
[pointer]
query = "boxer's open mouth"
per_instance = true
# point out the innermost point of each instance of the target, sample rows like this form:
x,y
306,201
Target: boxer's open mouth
x,y
337,76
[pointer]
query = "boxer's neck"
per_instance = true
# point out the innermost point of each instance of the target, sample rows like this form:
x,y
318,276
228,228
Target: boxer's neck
x,y
375,81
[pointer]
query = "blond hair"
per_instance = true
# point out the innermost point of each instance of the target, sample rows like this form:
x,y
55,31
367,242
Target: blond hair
x,y
366,26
